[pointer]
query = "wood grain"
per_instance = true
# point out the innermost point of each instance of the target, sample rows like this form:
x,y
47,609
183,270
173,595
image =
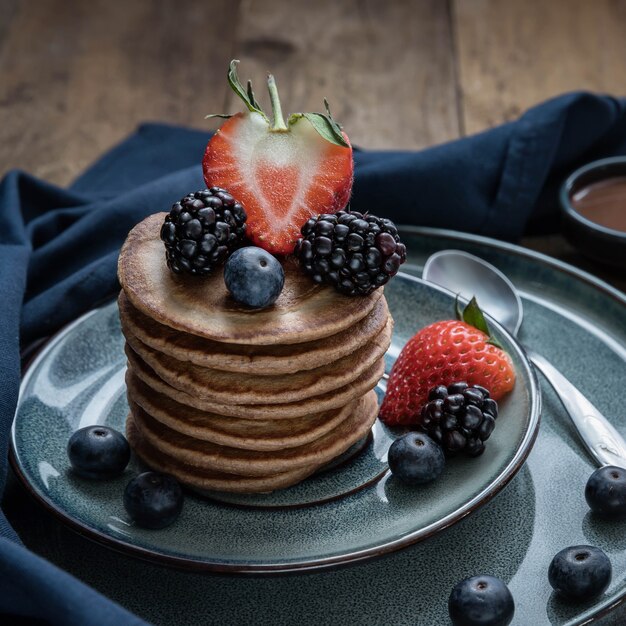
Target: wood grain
x,y
386,67
514,54
79,76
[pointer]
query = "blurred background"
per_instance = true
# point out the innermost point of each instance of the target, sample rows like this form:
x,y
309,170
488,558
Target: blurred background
x,y
78,76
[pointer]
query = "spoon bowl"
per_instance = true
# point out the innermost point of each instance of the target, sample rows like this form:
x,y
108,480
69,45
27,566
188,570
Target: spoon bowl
x,y
468,275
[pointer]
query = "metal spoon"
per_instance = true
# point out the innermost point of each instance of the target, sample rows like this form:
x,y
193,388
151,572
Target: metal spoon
x,y
468,276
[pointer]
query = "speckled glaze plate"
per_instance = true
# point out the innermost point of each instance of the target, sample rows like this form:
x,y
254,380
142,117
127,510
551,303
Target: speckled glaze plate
x,y
348,513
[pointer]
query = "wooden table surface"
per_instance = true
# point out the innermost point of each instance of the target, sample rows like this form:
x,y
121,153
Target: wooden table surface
x,y
78,76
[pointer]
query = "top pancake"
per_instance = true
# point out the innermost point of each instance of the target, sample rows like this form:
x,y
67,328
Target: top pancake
x,y
202,306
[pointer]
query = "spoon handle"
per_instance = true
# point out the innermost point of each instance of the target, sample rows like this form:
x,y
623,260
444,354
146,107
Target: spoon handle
x,y
603,442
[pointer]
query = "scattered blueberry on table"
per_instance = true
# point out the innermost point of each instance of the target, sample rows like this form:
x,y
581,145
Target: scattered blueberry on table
x,y
153,500
605,492
415,459
254,277
481,601
580,572
98,452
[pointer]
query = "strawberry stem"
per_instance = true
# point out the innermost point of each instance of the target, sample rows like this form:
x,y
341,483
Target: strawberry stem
x,y
278,124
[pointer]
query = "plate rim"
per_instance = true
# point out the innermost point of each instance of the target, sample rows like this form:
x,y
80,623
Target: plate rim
x,y
303,565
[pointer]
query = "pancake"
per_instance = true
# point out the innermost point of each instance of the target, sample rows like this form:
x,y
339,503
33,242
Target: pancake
x,y
331,400
206,455
231,388
234,431
247,359
205,480
202,306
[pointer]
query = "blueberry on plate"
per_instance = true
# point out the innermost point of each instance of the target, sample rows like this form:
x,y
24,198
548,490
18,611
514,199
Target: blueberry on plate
x,y
254,277
580,572
153,500
415,459
605,492
98,452
481,601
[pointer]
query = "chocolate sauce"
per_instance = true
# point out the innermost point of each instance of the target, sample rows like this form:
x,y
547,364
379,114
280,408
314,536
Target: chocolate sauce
x,y
603,202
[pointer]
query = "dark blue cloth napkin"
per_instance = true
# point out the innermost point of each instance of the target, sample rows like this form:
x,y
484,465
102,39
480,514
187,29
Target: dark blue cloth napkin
x,y
59,247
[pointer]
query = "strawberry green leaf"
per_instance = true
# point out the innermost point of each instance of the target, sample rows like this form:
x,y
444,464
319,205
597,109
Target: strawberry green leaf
x,y
473,316
335,126
494,342
324,125
252,97
237,87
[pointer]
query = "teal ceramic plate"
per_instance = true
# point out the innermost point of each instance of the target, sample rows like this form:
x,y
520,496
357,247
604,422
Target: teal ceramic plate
x,y
578,322
349,513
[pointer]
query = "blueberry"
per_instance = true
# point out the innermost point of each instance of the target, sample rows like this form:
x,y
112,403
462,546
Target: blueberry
x,y
98,452
153,500
580,572
481,600
415,459
254,277
606,492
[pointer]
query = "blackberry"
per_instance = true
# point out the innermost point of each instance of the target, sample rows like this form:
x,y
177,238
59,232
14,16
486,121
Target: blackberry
x,y
460,418
201,231
354,253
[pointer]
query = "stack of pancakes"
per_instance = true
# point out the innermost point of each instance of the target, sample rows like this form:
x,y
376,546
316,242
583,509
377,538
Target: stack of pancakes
x,y
226,398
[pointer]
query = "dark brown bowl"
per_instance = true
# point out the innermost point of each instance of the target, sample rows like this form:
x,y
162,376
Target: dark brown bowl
x,y
596,241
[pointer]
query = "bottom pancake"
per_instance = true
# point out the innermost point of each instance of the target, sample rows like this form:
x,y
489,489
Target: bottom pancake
x,y
206,480
206,455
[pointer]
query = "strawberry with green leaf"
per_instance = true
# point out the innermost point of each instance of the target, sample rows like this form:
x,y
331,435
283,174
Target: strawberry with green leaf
x,y
283,173
443,353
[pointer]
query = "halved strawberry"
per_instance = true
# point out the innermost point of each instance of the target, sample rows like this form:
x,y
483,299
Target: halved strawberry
x,y
283,174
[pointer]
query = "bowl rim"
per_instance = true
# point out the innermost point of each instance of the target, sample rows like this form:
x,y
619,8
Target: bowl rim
x,y
568,209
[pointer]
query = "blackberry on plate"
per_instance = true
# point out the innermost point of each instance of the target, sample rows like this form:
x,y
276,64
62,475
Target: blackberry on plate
x,y
353,252
460,418
201,231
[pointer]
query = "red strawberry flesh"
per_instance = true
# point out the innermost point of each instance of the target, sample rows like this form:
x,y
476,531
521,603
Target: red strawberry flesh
x,y
282,174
